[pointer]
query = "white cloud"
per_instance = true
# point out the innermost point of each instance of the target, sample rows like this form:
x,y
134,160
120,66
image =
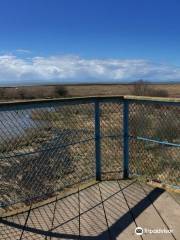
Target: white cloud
x,y
23,51
16,70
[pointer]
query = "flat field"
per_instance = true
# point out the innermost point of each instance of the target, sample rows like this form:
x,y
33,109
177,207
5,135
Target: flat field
x,y
117,89
79,90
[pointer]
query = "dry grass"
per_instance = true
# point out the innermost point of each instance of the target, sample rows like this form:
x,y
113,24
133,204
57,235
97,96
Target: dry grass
x,y
80,90
117,89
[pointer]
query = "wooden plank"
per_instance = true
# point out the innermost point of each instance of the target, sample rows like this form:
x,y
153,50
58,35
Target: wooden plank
x,y
93,224
120,221
144,213
89,198
31,236
169,210
9,233
108,188
42,217
67,209
92,219
18,219
71,229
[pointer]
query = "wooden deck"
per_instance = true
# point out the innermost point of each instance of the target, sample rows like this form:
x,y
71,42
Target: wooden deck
x,y
106,210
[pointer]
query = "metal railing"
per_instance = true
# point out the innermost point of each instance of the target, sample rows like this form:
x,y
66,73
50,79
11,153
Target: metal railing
x,y
48,145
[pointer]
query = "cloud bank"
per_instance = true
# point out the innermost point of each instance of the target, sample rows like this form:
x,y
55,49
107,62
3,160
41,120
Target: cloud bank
x,y
72,69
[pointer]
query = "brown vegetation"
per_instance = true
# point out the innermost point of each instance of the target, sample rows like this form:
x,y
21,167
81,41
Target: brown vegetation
x,y
142,88
32,92
81,90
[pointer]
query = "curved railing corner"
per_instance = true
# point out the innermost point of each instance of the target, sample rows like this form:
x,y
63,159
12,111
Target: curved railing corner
x,y
48,145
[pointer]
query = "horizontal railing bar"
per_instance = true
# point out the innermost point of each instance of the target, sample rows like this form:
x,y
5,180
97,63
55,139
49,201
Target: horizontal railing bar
x,y
144,99
47,149
111,136
61,100
57,147
55,103
156,141
91,99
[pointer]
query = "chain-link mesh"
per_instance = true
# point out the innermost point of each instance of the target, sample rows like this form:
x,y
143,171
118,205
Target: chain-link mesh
x,y
154,137
48,146
111,121
45,147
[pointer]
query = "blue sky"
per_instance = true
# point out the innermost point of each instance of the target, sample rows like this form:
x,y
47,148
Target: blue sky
x,y
89,40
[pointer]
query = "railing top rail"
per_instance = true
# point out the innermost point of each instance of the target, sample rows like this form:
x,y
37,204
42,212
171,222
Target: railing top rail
x,y
152,99
56,100
90,98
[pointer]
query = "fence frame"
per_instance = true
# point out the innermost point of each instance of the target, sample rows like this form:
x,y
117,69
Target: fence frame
x,y
96,101
126,139
97,141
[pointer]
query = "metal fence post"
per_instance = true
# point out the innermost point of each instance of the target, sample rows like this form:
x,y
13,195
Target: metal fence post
x,y
126,139
97,141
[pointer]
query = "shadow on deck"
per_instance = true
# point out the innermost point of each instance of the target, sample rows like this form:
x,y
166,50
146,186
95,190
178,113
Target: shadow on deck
x,y
104,210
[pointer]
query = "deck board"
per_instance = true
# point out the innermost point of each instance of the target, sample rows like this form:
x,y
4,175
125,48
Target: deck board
x,y
120,221
169,210
148,218
106,210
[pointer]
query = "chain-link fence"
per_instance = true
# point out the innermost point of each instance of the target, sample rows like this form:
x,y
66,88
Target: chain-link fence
x,y
154,140
46,146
